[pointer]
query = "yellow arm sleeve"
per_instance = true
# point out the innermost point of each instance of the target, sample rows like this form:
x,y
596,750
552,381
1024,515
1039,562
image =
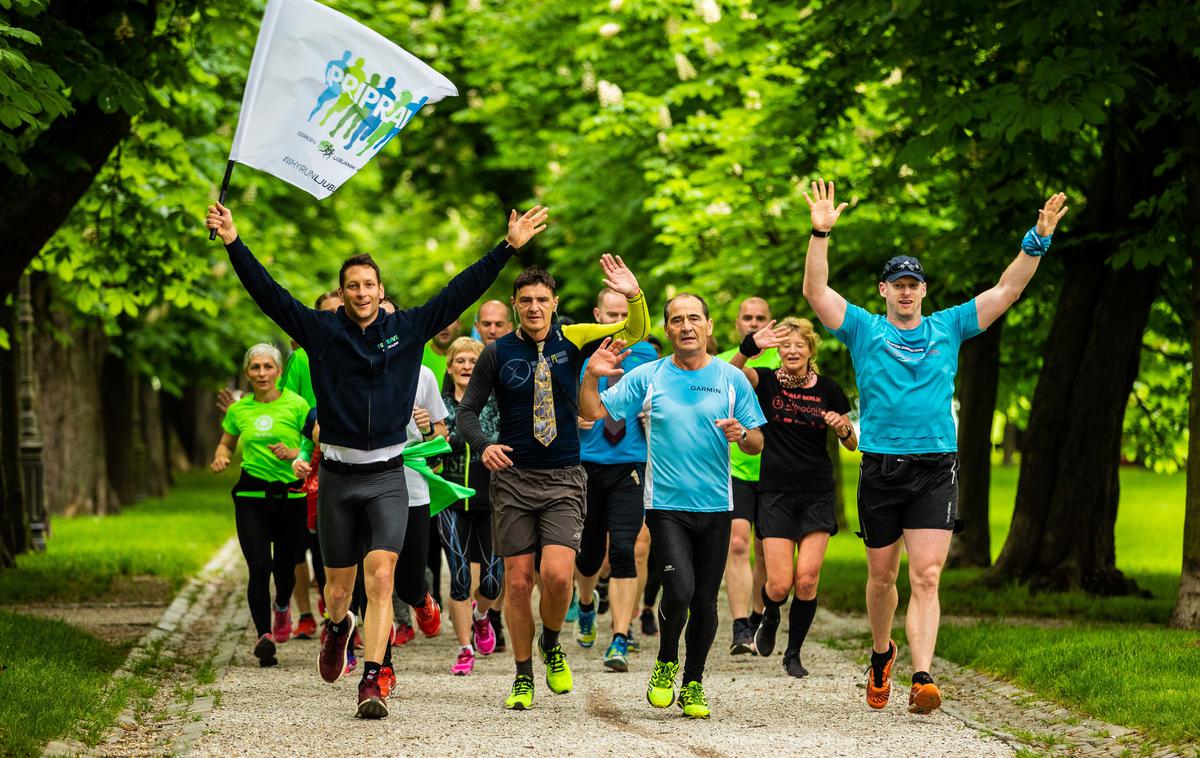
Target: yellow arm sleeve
x,y
631,330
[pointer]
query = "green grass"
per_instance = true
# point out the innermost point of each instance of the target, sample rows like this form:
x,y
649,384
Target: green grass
x,y
55,680
1132,676
1149,543
170,538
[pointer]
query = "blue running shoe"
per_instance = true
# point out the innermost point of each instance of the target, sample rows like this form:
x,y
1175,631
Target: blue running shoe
x,y
585,627
573,608
616,657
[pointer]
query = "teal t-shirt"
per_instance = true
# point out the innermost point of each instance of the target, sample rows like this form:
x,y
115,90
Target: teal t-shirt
x,y
297,378
262,424
747,467
688,466
905,378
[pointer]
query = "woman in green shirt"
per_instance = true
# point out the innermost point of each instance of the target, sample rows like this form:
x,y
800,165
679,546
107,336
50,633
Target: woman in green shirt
x,y
267,510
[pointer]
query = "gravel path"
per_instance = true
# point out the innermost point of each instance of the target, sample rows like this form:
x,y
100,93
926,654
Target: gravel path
x,y
757,709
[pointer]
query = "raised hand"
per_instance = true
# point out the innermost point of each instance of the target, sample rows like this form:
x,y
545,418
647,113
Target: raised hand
x,y
770,335
221,219
606,361
618,277
824,213
1050,214
529,224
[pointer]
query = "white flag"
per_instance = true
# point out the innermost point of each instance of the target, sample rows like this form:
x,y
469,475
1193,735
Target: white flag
x,y
324,95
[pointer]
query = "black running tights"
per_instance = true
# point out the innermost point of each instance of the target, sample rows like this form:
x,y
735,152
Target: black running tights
x,y
262,523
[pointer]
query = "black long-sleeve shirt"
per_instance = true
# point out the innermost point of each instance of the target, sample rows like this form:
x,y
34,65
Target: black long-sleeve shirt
x,y
365,379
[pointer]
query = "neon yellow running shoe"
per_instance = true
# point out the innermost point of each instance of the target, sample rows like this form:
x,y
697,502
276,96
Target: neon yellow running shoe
x,y
521,697
693,702
558,673
660,692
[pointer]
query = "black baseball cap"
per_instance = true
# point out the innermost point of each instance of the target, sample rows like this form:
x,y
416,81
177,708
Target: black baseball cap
x,y
902,265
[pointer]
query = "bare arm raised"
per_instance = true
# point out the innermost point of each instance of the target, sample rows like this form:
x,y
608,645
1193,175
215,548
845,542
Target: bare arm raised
x,y
829,306
992,304
764,339
606,361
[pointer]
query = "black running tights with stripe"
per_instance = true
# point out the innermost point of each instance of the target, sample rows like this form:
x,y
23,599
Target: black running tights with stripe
x,y
689,549
271,533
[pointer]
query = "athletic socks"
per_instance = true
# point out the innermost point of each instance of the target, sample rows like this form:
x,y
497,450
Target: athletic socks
x,y
341,627
922,677
618,635
586,607
549,638
471,650
370,670
281,607
525,667
494,615
755,620
387,656
477,616
800,618
771,607
878,661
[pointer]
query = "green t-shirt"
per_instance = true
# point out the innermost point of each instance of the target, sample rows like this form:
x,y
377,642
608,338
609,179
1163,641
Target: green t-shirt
x,y
435,363
262,424
296,377
746,467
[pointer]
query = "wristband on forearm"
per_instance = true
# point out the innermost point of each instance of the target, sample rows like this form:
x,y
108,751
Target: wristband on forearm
x,y
1035,244
749,347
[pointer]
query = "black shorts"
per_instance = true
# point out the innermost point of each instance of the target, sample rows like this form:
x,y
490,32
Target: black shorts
x,y
898,492
745,499
615,512
358,513
791,515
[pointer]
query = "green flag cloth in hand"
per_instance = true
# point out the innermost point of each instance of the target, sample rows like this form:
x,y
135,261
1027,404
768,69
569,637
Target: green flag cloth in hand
x,y
442,494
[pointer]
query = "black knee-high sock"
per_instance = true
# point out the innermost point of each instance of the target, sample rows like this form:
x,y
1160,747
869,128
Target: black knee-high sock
x,y
771,607
800,618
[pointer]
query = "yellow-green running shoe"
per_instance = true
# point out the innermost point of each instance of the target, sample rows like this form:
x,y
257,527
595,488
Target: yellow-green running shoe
x,y
558,673
693,702
521,697
660,692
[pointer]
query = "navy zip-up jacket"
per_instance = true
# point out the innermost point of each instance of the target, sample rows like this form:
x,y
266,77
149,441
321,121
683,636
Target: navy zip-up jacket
x,y
365,380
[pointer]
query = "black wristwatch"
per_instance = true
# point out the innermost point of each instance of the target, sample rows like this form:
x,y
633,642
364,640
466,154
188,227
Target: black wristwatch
x,y
819,233
848,433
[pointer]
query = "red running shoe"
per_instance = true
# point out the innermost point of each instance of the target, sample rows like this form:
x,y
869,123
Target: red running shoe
x,y
281,626
387,680
372,703
358,643
335,653
404,634
429,617
306,628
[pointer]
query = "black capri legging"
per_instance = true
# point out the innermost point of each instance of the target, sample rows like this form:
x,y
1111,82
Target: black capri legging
x,y
690,549
409,580
467,535
613,519
271,531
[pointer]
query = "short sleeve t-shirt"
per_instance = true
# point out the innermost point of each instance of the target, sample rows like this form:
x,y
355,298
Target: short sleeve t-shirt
x,y
296,377
260,425
906,378
747,467
594,447
430,398
688,466
794,456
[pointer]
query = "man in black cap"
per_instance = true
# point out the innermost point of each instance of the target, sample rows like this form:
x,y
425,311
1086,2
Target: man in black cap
x,y
905,364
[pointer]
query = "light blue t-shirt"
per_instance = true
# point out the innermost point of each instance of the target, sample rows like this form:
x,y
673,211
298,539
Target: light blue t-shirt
x,y
688,469
905,378
594,447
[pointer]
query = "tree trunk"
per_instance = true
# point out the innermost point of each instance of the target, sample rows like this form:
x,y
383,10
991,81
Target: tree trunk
x,y
1187,608
70,405
1011,443
1066,508
154,432
14,522
978,383
122,430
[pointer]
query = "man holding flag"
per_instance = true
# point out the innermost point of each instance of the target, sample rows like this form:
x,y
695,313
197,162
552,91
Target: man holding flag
x,y
364,366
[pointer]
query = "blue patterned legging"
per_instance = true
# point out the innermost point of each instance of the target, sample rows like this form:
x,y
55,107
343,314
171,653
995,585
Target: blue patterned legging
x,y
467,537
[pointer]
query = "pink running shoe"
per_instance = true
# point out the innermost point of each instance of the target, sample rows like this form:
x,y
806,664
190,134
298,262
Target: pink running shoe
x,y
281,626
465,663
485,636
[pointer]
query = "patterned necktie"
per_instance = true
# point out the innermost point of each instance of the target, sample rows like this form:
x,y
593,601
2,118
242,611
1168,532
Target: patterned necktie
x,y
544,428
614,431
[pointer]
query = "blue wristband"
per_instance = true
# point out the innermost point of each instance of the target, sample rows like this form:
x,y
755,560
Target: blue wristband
x,y
1034,244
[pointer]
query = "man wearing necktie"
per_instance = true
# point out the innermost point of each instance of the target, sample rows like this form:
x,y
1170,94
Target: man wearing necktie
x,y
614,456
538,487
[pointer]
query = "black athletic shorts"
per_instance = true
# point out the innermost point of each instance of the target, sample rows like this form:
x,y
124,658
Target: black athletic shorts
x,y
898,492
615,513
791,515
745,499
358,513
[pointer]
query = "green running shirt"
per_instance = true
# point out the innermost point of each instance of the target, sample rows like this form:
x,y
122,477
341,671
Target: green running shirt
x,y
260,425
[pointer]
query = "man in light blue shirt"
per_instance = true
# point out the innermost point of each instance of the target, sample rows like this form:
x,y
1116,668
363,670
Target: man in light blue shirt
x,y
904,366
694,406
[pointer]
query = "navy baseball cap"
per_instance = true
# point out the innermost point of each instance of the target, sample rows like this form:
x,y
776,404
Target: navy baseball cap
x,y
902,265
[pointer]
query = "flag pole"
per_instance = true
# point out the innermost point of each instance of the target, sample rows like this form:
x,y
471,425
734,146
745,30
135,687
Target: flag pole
x,y
212,234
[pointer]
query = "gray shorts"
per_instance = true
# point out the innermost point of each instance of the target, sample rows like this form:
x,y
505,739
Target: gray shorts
x,y
532,508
